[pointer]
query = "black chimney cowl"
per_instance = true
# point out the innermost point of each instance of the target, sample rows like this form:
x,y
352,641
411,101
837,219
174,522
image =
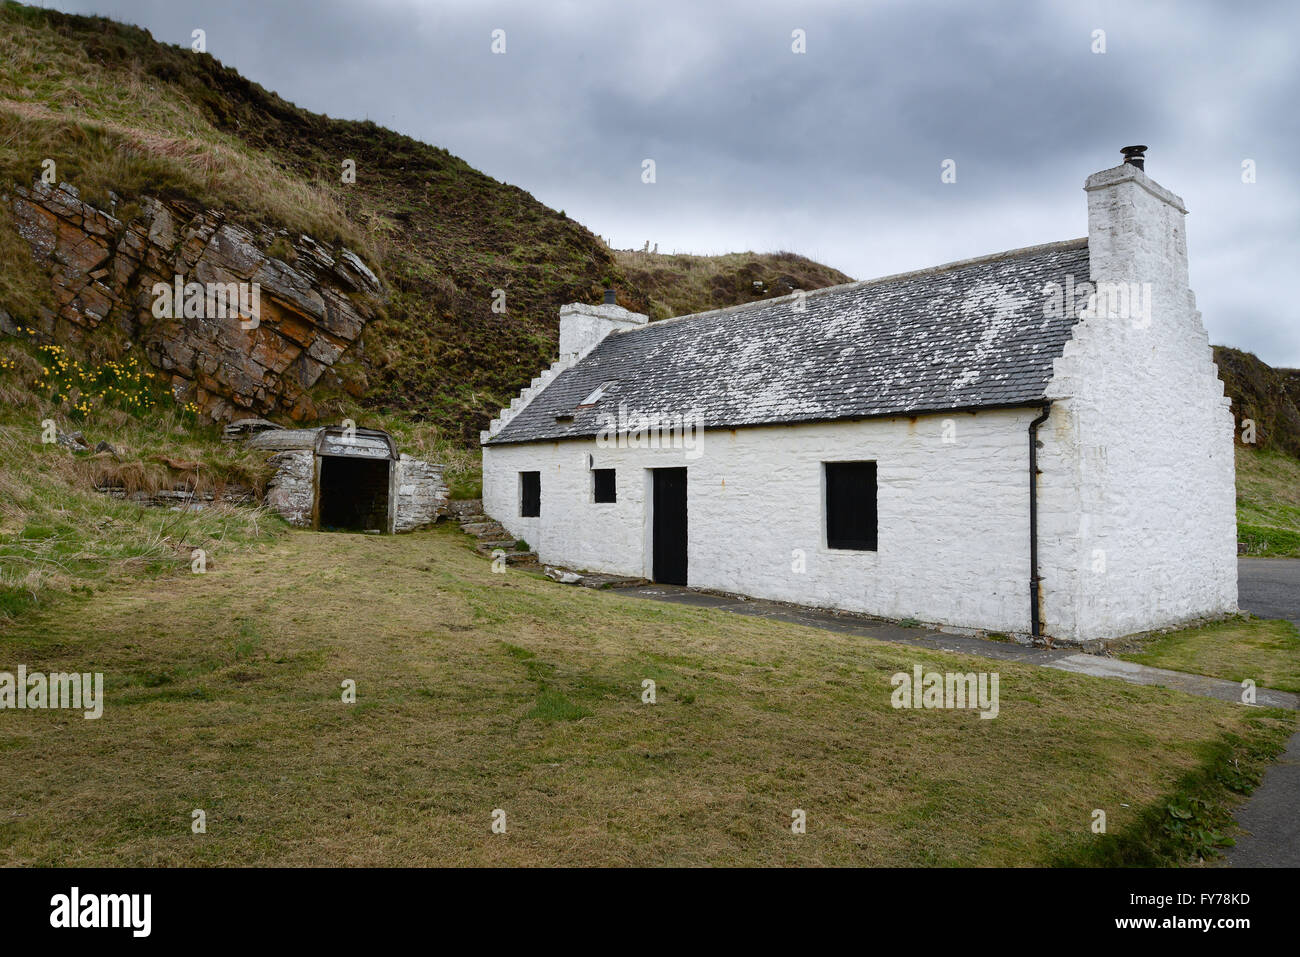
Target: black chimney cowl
x,y
611,296
1135,156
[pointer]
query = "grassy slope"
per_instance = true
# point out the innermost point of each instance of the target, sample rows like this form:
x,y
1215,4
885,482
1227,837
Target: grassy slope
x,y
58,535
679,284
479,691
1268,502
1266,652
1270,397
120,112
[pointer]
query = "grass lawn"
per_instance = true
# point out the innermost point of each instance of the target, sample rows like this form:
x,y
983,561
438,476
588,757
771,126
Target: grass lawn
x,y
1264,650
478,691
1268,503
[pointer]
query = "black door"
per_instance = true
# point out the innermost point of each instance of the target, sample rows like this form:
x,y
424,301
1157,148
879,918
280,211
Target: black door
x,y
670,526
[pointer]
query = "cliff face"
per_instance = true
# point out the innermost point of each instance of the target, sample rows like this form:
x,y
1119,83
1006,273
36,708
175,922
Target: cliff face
x,y
1269,396
313,302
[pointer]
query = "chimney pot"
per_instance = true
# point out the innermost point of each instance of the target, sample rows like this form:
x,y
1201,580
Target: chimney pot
x,y
611,296
1135,156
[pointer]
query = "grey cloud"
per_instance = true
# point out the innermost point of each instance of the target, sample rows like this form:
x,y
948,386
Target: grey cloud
x,y
834,153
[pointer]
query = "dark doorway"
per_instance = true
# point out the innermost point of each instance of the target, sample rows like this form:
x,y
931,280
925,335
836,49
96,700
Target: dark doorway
x,y
354,493
669,534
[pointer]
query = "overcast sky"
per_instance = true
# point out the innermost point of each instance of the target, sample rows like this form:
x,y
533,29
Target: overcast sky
x,y
834,153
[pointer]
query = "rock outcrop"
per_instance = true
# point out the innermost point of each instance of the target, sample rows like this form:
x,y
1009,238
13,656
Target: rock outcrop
x,y
313,302
1268,396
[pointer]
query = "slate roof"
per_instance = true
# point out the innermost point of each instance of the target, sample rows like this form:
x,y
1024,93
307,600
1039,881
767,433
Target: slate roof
x,y
967,335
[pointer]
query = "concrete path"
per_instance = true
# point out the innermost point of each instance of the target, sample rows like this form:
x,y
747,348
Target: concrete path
x,y
1063,659
1269,587
1192,684
848,624
1271,817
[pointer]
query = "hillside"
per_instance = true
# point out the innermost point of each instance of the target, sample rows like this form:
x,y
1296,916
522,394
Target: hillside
x,y
143,130
1270,397
378,306
678,284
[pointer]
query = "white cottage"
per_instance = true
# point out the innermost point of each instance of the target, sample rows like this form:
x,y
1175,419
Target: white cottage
x,y
1034,442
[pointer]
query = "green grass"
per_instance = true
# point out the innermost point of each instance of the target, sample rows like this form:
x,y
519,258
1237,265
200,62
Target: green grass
x,y
1268,503
1263,650
1194,822
59,536
479,691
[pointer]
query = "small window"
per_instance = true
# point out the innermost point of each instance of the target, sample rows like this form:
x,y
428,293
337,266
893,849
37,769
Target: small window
x,y
597,394
530,494
602,483
851,505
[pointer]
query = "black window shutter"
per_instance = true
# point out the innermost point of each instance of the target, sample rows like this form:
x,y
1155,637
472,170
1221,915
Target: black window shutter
x,y
530,494
851,505
603,485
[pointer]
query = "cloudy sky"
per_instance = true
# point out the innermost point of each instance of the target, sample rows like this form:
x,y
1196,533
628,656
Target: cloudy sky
x,y
836,152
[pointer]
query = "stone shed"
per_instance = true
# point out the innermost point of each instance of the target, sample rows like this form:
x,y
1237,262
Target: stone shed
x,y
350,480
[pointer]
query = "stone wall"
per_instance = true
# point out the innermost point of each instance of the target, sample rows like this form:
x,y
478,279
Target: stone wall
x,y
421,494
1137,497
953,516
291,489
314,303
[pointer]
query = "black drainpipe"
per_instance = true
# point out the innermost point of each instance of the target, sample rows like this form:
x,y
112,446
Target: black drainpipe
x,y
1035,631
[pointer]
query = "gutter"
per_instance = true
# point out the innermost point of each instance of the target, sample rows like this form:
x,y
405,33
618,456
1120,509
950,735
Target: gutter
x,y
1035,629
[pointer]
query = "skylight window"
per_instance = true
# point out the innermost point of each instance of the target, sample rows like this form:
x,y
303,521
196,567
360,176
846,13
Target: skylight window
x,y
597,395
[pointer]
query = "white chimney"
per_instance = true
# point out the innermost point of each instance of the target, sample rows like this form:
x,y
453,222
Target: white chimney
x,y
583,327
1136,232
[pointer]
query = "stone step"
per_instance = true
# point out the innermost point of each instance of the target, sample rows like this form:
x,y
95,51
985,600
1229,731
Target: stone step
x,y
466,509
487,548
479,529
521,558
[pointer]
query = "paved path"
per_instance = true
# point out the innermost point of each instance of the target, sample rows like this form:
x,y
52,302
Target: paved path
x,y
1063,659
1271,817
1220,688
848,624
1269,587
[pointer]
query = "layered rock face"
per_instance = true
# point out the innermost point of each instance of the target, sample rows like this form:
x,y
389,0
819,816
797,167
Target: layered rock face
x,y
312,304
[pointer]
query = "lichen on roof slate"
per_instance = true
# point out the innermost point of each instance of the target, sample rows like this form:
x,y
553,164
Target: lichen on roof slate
x,y
967,335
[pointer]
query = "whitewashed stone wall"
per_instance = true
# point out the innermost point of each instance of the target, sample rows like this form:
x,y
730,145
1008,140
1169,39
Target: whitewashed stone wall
x,y
291,489
953,517
1137,497
421,494
1137,523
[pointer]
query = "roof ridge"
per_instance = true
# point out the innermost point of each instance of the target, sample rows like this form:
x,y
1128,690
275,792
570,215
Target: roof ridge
x,y
1063,244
